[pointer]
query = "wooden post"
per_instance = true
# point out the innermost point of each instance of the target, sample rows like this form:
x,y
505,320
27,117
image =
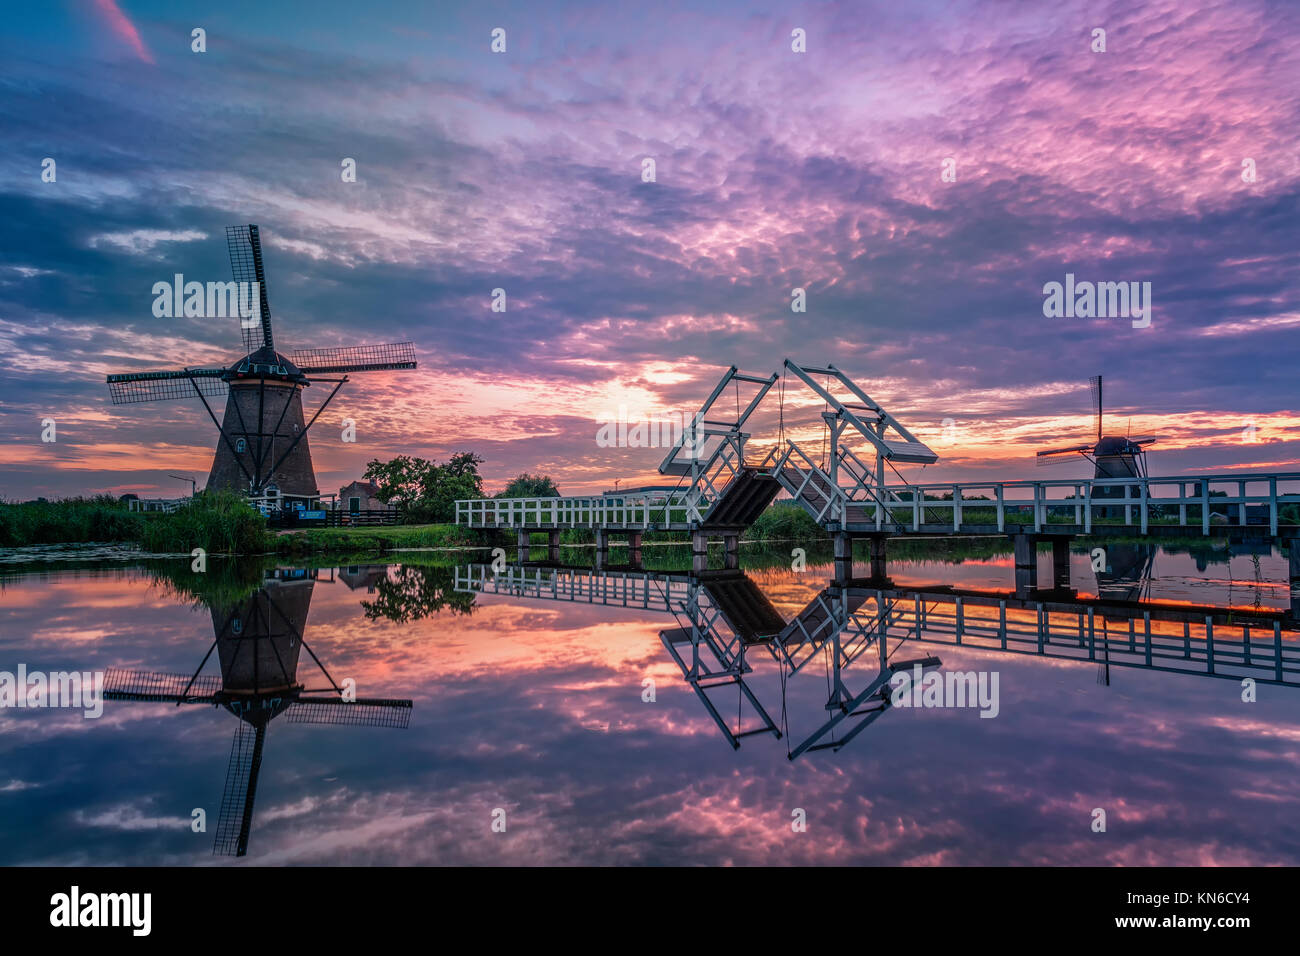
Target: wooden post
x,y
699,551
879,544
843,557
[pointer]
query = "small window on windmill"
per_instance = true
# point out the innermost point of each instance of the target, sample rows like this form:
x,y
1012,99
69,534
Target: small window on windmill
x,y
295,428
241,445
236,626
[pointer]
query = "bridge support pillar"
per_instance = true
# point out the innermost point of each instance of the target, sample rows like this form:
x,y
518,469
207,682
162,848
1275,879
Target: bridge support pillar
x,y
843,556
1026,549
523,540
1293,549
1060,562
634,548
553,546
699,551
731,545
879,544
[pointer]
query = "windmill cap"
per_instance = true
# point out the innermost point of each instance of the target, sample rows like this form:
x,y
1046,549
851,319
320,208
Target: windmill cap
x,y
267,362
1116,445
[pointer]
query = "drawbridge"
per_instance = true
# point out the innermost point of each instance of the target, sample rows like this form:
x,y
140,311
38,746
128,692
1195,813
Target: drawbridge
x,y
852,487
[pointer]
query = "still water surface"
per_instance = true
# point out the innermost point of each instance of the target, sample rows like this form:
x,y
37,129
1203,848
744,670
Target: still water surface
x,y
534,705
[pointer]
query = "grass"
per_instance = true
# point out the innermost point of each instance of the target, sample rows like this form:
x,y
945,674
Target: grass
x,y
377,539
220,523
66,521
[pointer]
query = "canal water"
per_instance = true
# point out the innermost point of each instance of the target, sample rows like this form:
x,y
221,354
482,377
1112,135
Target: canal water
x,y
547,731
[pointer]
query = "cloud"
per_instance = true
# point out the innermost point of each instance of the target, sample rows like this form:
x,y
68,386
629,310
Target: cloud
x,y
123,28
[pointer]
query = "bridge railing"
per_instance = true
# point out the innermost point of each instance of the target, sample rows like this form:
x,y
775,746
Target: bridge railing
x,y
712,477
631,510
1179,500
807,483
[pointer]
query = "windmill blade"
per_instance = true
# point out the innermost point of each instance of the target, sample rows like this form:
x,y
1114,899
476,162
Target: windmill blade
x,y
1057,455
123,684
127,388
236,817
366,713
245,246
356,358
1095,384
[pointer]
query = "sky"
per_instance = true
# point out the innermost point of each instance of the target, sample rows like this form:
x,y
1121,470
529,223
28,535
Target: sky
x,y
775,170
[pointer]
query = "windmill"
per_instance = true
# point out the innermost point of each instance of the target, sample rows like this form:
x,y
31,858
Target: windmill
x,y
257,641
1113,456
262,449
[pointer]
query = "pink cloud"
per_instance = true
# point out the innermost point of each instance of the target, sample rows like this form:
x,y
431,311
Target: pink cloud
x,y
124,28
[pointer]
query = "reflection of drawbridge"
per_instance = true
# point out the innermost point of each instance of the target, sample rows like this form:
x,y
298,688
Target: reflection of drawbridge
x,y
857,627
258,640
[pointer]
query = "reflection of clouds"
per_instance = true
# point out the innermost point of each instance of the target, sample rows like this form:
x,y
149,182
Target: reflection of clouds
x,y
129,817
536,708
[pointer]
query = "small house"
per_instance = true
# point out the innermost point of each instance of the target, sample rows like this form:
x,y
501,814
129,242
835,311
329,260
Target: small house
x,y
361,496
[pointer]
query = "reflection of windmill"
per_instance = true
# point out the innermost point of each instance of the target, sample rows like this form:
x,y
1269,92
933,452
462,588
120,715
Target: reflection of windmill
x,y
263,445
1113,456
257,644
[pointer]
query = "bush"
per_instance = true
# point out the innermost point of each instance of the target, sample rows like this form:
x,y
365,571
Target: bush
x,y
785,522
218,522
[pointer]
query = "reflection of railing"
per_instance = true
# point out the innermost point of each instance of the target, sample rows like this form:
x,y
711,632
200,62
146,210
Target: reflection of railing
x,y
857,633
646,590
1213,642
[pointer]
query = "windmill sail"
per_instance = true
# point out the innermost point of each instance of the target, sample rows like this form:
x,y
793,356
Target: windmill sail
x,y
245,246
128,388
1055,455
362,713
1094,384
123,684
356,358
236,816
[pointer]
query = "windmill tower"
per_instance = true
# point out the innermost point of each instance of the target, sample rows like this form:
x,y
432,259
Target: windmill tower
x,y
1113,456
262,447
258,641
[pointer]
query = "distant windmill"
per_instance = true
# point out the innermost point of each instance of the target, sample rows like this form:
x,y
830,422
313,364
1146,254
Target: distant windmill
x,y
257,643
1113,456
262,448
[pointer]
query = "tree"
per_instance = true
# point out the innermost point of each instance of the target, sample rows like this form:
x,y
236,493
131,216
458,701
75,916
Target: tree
x,y
423,490
530,486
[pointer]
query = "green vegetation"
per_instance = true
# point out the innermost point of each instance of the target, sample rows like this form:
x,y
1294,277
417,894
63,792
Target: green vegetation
x,y
225,583
365,540
220,522
785,522
98,519
530,486
423,491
